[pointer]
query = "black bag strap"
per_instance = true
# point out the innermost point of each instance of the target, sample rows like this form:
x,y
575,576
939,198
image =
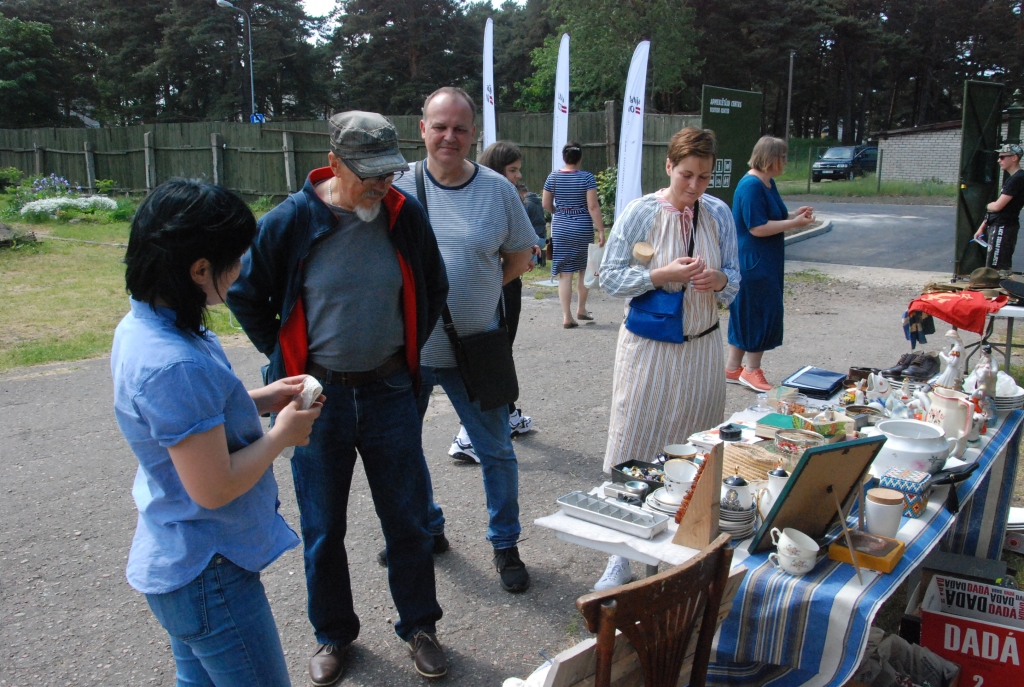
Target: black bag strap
x,y
693,228
421,188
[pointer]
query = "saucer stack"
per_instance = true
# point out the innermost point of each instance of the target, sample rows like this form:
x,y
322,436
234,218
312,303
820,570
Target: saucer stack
x,y
656,503
738,523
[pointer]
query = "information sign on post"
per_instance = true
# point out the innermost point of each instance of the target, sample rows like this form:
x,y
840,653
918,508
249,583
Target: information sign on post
x,y
735,117
257,118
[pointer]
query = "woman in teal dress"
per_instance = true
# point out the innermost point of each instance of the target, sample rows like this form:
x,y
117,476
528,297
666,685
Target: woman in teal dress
x,y
756,315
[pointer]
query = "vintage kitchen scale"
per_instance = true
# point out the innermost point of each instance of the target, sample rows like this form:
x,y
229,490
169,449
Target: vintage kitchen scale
x,y
824,475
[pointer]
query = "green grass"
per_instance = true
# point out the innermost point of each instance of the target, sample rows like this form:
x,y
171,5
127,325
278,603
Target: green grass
x,y
867,185
809,277
62,301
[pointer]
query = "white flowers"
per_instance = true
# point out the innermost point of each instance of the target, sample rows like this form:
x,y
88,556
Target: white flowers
x,y
51,205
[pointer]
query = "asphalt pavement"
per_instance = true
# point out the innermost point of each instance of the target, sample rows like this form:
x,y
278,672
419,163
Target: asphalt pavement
x,y
911,237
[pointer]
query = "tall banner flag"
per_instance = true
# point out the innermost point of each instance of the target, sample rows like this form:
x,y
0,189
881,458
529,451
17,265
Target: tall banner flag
x,y
560,128
490,128
631,135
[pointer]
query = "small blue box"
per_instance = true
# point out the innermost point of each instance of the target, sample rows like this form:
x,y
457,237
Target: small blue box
x,y
912,484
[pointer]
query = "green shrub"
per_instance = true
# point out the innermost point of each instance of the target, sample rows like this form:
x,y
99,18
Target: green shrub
x,y
263,204
105,186
10,177
606,182
124,212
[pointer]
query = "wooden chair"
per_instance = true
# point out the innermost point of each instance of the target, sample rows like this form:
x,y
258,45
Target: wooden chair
x,y
659,615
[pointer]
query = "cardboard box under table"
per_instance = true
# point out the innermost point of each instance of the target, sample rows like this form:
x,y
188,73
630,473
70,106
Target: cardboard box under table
x,y
976,625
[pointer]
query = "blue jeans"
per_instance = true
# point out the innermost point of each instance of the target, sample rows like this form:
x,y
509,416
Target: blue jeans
x,y
379,421
222,631
489,432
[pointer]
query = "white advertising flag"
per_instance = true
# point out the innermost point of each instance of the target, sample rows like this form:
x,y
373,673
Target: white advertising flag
x,y
490,127
631,135
560,129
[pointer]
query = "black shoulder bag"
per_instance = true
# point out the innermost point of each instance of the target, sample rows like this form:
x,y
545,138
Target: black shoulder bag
x,y
485,359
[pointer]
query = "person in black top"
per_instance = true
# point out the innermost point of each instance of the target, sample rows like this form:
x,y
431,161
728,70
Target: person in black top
x,y
1003,220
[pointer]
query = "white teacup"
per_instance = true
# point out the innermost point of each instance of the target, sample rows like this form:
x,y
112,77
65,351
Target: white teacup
x,y
794,543
794,565
679,476
684,451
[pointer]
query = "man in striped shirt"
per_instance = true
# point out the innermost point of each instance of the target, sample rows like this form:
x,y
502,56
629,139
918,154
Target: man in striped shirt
x,y
486,240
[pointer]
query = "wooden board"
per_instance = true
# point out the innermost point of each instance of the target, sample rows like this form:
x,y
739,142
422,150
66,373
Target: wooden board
x,y
575,666
699,526
805,503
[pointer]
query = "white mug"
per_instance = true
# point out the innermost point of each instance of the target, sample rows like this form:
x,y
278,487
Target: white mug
x,y
794,542
794,565
883,509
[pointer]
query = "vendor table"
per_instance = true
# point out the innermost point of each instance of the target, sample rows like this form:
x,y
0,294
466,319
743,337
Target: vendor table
x,y
1009,313
811,630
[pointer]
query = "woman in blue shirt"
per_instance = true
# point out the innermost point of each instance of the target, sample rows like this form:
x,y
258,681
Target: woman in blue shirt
x,y
205,490
756,315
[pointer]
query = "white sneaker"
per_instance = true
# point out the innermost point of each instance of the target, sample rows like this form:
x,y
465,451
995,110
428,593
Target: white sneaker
x,y
462,448
519,423
615,575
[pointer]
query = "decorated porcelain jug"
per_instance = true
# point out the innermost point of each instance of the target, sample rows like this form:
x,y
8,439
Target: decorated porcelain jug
x,y
954,412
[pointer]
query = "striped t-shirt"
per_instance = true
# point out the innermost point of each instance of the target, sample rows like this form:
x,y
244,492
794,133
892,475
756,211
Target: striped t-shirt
x,y
474,224
570,189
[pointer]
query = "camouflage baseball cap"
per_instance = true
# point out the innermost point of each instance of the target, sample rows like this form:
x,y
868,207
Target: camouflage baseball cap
x,y
1010,149
367,142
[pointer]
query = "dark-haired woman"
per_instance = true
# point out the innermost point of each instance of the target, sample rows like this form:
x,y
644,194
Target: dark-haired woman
x,y
570,195
506,159
205,490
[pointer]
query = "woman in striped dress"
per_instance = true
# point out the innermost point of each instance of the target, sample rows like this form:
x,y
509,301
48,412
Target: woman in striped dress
x,y
663,392
570,195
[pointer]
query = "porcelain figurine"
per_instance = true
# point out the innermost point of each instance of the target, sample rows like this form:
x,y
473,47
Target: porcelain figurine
x,y
878,387
952,376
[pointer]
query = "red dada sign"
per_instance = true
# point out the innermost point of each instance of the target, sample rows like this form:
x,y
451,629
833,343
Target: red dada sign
x,y
988,652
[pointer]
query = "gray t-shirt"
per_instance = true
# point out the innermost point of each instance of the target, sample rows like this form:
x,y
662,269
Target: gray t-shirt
x,y
474,223
352,295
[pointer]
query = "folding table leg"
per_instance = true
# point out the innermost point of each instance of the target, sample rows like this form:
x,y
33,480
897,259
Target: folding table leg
x,y
1009,343
650,570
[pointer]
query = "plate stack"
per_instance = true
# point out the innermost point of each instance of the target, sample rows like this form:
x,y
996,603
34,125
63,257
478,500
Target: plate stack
x,y
738,523
1004,404
654,502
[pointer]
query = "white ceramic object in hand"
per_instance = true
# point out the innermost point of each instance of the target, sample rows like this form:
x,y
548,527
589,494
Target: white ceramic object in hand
x,y
794,565
883,509
311,390
794,543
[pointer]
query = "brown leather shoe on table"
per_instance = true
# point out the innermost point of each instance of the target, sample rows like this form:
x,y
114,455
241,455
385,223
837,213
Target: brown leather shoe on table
x,y
327,665
427,655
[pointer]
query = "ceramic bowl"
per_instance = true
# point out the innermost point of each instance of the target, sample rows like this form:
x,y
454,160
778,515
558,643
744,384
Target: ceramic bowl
x,y
683,451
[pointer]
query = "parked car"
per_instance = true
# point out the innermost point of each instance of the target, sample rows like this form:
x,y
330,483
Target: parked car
x,y
845,162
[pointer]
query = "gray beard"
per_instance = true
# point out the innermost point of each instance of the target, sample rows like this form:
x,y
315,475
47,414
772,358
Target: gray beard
x,y
368,214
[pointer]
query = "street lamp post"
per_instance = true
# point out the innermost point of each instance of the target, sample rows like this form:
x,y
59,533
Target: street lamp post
x,y
789,97
248,24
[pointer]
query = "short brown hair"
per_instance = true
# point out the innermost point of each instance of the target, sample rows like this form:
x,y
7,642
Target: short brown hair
x,y
450,90
500,155
767,151
692,141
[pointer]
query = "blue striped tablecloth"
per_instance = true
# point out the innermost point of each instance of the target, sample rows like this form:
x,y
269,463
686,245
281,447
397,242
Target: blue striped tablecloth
x,y
785,630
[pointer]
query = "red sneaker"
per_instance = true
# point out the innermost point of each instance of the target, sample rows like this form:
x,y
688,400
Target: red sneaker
x,y
734,376
755,380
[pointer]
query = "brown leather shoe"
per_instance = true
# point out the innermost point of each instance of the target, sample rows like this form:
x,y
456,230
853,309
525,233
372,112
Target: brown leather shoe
x,y
428,655
327,665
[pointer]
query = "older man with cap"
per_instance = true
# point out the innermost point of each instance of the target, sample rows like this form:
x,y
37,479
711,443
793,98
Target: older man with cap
x,y
345,282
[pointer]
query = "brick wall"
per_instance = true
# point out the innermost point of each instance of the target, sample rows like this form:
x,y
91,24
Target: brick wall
x,y
923,156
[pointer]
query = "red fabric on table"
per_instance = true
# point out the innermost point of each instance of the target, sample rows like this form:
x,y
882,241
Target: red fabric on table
x,y
964,310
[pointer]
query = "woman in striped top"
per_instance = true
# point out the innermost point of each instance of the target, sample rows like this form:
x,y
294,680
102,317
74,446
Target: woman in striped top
x,y
570,195
663,392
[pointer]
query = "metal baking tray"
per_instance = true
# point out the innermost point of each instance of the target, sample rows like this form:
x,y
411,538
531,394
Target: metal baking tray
x,y
576,504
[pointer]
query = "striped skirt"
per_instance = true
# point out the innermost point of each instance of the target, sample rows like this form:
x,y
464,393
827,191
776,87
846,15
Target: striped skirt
x,y
662,393
572,231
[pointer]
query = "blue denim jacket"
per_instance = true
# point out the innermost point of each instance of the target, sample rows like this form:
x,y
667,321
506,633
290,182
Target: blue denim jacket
x,y
169,385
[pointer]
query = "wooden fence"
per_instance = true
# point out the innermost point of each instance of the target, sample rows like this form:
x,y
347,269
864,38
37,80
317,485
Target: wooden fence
x,y
274,159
